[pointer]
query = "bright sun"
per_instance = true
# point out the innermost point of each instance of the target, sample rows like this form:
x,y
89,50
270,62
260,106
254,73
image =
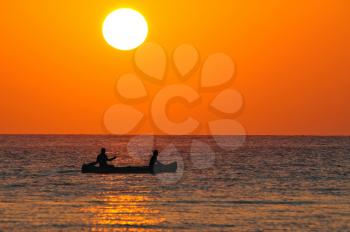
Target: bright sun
x,y
125,29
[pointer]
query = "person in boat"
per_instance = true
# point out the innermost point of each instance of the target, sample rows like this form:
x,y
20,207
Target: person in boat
x,y
154,160
102,159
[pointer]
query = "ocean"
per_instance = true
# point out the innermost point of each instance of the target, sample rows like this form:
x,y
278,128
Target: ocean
x,y
269,183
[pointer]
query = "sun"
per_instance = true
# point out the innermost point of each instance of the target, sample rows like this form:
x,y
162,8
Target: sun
x,y
125,29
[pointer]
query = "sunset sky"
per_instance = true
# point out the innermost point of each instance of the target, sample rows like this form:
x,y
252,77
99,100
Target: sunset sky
x,y
58,74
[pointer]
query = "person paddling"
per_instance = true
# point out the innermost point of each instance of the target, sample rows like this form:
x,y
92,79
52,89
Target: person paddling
x,y
102,159
153,160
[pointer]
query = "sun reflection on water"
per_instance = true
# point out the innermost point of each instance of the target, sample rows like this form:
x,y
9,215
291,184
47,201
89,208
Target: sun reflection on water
x,y
127,211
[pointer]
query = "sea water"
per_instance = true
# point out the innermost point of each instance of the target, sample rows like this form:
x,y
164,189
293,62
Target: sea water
x,y
270,183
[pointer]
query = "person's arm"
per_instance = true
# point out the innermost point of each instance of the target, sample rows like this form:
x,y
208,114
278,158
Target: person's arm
x,y
112,158
158,163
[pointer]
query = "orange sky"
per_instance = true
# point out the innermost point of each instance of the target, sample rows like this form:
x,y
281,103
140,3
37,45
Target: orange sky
x,y
293,61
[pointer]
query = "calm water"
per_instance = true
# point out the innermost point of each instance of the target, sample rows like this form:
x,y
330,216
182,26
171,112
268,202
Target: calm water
x,y
269,184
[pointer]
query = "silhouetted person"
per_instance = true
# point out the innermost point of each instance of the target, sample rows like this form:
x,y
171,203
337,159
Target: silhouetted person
x,y
153,160
102,159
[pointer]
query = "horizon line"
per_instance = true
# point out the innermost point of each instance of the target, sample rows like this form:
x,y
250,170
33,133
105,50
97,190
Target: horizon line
x,y
144,134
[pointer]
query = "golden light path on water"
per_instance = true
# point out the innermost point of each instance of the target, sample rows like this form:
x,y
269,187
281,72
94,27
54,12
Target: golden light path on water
x,y
124,210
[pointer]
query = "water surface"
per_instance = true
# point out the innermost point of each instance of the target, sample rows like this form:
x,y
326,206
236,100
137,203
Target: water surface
x,y
269,184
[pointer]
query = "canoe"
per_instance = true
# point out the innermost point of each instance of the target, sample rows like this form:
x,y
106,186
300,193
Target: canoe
x,y
164,168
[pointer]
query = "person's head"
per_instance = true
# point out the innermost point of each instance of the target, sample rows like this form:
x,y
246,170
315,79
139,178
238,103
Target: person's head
x,y
103,150
155,152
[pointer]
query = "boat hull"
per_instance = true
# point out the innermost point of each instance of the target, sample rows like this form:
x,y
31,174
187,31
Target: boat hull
x,y
169,168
